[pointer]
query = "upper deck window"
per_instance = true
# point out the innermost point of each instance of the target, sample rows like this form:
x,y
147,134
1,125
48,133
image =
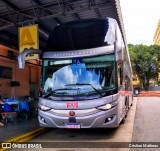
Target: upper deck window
x,y
82,34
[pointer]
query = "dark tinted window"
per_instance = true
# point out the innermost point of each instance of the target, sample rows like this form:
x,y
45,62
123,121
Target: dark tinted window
x,y
82,34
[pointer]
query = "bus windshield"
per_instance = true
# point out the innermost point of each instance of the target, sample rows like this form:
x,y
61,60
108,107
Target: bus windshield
x,y
79,76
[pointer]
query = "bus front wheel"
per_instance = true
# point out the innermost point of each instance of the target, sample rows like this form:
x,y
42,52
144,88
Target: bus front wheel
x,y
123,121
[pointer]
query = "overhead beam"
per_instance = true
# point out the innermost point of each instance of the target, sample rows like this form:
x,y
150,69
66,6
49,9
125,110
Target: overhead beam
x,y
9,35
14,7
93,3
70,12
41,26
48,11
45,6
8,42
29,9
33,9
11,5
6,21
75,14
66,4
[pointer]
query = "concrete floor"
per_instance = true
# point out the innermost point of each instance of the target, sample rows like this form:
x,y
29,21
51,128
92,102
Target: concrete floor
x,y
18,127
147,122
57,136
142,125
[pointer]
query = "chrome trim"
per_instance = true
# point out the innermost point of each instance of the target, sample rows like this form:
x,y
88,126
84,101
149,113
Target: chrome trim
x,y
79,53
82,105
78,113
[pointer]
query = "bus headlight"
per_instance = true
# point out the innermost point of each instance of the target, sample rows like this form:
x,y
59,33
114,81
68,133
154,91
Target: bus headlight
x,y
108,106
44,108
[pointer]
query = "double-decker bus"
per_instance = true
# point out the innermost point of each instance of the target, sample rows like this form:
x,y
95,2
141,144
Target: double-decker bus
x,y
86,76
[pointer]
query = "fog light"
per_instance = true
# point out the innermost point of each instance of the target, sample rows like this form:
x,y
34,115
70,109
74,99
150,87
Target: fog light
x,y
109,119
43,120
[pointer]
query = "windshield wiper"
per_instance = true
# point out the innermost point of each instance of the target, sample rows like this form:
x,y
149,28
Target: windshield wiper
x,y
51,92
83,84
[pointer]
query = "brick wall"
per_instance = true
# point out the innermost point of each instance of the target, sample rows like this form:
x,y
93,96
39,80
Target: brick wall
x,y
31,73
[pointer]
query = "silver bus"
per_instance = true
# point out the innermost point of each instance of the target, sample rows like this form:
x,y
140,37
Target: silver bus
x,y
86,76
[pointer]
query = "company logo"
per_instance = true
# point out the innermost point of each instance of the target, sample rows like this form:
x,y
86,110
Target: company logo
x,y
6,145
72,105
72,113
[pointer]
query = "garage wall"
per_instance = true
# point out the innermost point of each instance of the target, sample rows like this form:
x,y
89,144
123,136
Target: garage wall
x,y
34,74
6,90
21,75
25,76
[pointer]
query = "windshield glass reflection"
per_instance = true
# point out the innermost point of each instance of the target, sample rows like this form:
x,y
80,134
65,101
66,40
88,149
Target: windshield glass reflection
x,y
90,76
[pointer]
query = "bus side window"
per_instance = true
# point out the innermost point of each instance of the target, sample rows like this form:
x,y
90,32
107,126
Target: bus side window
x,y
126,83
120,75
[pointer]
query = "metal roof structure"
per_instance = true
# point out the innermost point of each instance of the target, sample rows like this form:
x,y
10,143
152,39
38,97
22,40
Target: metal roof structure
x,y
48,13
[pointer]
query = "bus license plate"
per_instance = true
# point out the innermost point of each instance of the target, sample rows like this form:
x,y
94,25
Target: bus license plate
x,y
73,125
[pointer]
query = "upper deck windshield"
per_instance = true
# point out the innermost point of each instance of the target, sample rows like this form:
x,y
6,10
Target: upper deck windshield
x,y
78,77
83,34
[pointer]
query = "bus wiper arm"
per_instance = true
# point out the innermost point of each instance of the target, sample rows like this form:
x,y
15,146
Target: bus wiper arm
x,y
83,84
47,95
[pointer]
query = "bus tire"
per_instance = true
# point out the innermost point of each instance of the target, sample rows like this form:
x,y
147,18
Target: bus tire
x,y
132,101
127,106
127,112
123,121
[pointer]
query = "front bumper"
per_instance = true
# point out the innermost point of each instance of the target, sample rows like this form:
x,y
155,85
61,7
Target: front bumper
x,y
95,120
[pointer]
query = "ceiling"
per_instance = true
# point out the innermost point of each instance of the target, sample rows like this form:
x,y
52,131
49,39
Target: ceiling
x,y
48,13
